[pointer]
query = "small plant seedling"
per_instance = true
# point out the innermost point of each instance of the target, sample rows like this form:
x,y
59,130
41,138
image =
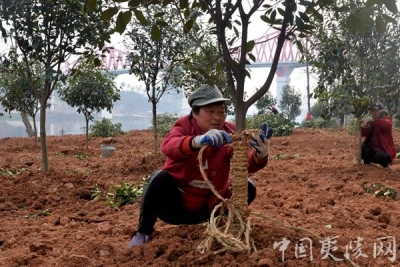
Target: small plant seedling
x,y
60,154
380,190
6,172
81,156
77,171
45,212
284,156
121,195
9,173
96,193
31,216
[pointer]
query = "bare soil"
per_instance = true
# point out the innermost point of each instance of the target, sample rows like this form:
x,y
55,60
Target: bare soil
x,y
310,198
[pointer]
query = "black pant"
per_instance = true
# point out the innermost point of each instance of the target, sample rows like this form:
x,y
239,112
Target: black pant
x,y
369,155
162,199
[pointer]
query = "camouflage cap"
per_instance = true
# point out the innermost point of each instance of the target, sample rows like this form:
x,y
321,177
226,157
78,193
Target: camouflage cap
x,y
377,105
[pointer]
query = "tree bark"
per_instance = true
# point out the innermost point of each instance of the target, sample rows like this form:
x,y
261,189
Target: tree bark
x,y
45,158
87,131
155,141
359,143
28,126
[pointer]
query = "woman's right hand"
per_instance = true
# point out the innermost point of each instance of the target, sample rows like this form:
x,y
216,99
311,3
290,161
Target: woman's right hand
x,y
213,137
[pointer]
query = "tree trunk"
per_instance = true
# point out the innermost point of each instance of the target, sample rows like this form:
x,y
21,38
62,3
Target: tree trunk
x,y
35,129
87,131
45,159
28,126
308,89
155,142
341,121
359,142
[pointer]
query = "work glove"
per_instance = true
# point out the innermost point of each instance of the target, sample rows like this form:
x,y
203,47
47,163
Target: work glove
x,y
261,143
365,121
213,137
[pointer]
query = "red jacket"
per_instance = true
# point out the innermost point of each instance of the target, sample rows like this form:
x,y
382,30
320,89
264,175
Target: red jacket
x,y
183,165
383,131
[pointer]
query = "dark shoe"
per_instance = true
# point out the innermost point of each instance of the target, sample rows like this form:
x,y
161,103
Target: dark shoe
x,y
138,239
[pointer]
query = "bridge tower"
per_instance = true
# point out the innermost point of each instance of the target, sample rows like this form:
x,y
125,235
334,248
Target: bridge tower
x,y
283,73
282,79
264,52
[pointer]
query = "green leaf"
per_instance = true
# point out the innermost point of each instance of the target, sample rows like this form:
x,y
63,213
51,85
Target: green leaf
x,y
31,216
188,25
326,2
318,16
380,25
265,19
46,212
357,23
166,2
109,13
159,14
299,45
299,23
343,9
273,17
281,12
91,5
364,17
140,17
122,20
247,73
236,31
134,3
388,19
370,3
161,23
183,4
391,5
252,57
155,33
304,17
250,46
219,68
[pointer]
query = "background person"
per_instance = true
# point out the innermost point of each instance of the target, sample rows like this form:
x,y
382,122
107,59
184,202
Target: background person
x,y
178,194
274,110
271,110
378,146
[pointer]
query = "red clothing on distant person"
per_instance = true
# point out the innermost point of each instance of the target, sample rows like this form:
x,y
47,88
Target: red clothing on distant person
x,y
381,138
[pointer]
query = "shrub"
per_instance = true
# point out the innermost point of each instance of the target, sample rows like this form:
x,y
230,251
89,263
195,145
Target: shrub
x,y
281,125
105,128
396,122
121,195
164,123
352,127
319,123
